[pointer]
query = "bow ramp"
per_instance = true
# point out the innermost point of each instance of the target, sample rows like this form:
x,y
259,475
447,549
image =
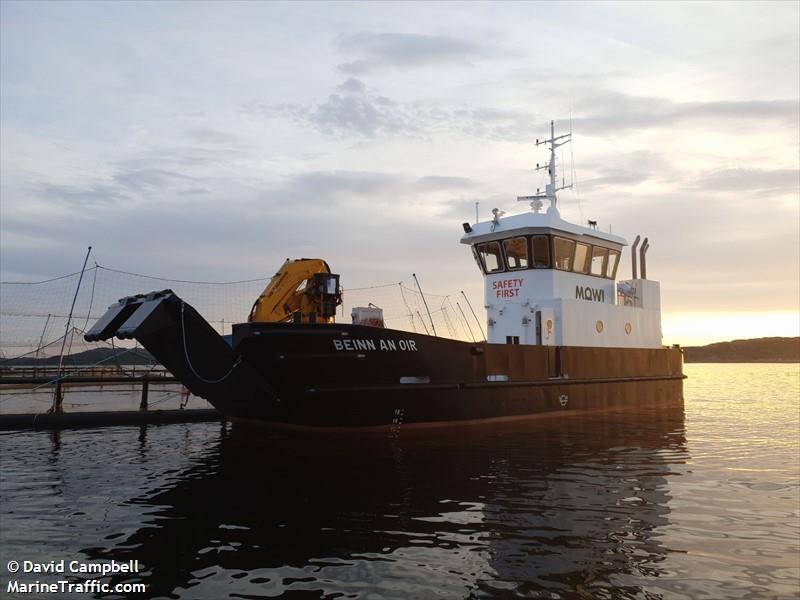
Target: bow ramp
x,y
184,342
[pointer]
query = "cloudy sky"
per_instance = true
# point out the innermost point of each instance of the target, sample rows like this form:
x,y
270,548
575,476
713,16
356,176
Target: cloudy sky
x,y
210,141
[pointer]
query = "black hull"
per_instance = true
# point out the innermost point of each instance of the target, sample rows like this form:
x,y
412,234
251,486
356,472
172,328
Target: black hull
x,y
453,405
347,376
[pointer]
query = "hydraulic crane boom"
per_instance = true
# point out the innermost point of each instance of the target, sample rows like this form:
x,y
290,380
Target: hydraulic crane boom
x,y
303,290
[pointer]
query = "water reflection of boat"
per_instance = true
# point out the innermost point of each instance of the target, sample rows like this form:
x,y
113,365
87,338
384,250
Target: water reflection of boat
x,y
569,505
563,334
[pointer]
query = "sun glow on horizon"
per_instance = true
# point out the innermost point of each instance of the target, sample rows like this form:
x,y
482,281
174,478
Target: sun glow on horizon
x,y
701,328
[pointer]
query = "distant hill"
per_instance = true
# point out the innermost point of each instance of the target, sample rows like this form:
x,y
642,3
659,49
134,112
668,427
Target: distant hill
x,y
771,349
90,357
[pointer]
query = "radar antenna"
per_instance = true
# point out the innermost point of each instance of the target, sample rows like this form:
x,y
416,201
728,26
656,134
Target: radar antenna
x,y
552,187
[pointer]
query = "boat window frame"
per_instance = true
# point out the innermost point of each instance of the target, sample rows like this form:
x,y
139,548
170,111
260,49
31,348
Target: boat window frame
x,y
501,257
586,261
524,238
606,249
547,244
618,253
477,258
603,265
555,266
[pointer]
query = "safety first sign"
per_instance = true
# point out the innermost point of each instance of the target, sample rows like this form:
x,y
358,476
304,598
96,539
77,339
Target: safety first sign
x,y
507,288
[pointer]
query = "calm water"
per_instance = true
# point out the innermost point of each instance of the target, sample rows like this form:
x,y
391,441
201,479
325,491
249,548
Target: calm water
x,y
702,501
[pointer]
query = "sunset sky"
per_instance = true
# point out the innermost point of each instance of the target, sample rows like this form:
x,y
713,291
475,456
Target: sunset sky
x,y
211,141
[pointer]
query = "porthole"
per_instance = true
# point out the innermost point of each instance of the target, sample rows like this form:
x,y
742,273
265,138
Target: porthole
x,y
599,326
628,328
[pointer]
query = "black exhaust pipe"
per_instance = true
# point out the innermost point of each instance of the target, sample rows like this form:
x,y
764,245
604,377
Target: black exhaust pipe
x,y
643,259
633,256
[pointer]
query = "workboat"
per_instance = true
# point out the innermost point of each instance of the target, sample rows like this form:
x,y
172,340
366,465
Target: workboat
x,y
562,335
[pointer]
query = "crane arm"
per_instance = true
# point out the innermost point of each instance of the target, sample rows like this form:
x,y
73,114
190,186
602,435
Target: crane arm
x,y
304,285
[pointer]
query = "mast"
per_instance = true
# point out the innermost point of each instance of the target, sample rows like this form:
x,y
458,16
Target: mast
x,y
56,408
552,187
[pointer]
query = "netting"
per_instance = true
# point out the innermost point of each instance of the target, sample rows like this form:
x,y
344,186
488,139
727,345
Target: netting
x,y
404,308
33,315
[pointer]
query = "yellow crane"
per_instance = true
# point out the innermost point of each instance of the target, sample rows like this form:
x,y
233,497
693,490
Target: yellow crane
x,y
303,291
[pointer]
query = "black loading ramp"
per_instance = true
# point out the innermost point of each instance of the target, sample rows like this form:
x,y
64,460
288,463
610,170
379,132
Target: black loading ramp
x,y
186,344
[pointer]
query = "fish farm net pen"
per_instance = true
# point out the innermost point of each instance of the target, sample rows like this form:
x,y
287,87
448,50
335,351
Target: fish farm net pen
x,y
32,312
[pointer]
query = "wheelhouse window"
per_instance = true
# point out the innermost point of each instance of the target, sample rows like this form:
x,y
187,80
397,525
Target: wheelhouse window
x,y
490,256
563,249
581,263
599,258
541,252
613,263
516,250
475,256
